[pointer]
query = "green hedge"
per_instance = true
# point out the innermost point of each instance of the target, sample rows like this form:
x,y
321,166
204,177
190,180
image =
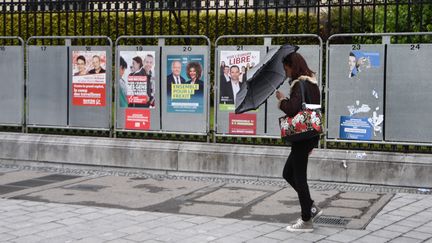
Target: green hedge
x,y
114,25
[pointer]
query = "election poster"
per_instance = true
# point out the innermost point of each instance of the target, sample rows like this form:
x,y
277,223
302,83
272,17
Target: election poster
x,y
137,77
242,124
234,66
89,78
362,101
185,83
137,119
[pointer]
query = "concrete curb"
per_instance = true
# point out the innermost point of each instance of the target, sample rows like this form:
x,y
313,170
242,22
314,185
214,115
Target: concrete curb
x,y
263,161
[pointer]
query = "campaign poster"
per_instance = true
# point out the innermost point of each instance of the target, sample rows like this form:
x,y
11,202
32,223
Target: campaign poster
x,y
355,128
363,118
137,119
234,66
359,61
242,124
185,83
137,77
89,78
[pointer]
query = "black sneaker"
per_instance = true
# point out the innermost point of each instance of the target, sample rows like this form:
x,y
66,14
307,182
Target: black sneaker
x,y
315,212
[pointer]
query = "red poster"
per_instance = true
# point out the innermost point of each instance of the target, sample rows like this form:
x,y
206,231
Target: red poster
x,y
242,124
138,94
137,119
88,94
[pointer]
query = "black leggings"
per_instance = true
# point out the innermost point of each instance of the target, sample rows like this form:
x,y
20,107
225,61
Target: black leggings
x,y
295,173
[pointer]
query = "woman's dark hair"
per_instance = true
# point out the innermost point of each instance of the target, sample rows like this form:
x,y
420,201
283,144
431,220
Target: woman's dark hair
x,y
138,60
298,65
82,58
197,67
123,63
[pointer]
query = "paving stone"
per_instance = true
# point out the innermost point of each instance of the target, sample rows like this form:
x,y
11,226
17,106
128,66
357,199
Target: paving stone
x,y
180,225
281,235
133,229
58,239
248,234
120,241
53,233
386,234
4,237
410,223
372,238
261,240
139,237
424,229
393,218
91,240
405,240
350,203
266,228
310,236
326,230
348,235
374,226
24,231
398,228
418,235
296,240
327,241
199,220
27,239
231,239
401,212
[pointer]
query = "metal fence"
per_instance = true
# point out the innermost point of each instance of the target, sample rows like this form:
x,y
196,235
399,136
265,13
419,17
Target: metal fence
x,y
212,18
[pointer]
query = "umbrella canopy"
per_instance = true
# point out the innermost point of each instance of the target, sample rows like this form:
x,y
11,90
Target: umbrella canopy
x,y
263,80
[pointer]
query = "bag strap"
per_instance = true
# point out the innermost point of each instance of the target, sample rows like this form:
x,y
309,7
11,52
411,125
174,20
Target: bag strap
x,y
302,89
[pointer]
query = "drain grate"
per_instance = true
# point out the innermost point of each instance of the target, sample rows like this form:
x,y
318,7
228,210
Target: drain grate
x,y
332,221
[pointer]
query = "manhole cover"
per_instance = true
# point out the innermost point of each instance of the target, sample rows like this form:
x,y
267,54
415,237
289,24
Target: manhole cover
x,y
332,221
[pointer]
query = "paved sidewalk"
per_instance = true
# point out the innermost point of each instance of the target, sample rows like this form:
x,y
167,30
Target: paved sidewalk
x,y
406,218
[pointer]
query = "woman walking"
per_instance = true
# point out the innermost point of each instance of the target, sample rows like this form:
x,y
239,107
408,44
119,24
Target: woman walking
x,y
295,170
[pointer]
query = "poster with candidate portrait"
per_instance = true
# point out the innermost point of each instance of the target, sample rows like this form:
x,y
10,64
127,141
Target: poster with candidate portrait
x,y
89,78
185,83
137,77
233,72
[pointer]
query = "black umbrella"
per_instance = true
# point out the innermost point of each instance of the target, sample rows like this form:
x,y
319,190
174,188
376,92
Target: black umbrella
x,y
263,80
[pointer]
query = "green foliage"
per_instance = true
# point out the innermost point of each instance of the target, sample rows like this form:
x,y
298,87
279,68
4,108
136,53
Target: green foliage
x,y
115,24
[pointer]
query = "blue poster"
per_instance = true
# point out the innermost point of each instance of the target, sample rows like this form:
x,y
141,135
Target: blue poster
x,y
355,128
185,83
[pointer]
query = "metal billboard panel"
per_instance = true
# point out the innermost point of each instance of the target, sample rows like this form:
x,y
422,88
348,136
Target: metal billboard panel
x,y
311,53
47,85
131,115
356,91
185,105
12,83
408,93
250,123
90,86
